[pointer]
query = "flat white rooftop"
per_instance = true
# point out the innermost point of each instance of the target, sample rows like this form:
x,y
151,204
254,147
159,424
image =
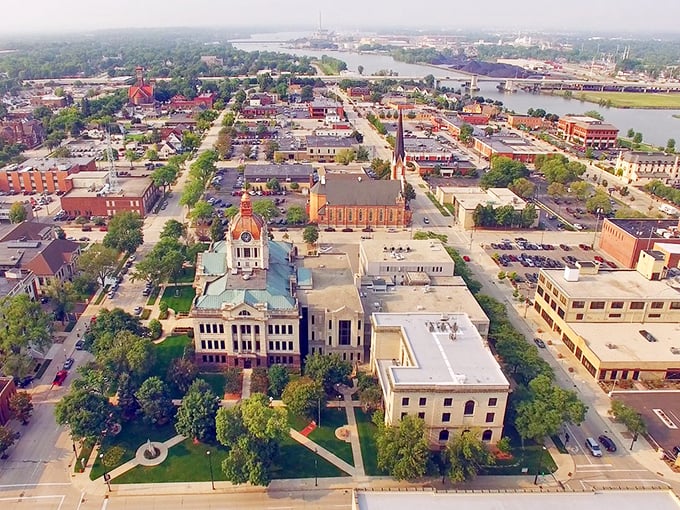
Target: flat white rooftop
x,y
600,500
405,250
444,350
471,197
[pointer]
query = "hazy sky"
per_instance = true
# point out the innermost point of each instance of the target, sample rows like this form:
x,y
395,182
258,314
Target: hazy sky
x,y
600,15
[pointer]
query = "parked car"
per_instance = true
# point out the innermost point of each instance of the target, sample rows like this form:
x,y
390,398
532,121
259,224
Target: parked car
x,y
607,442
426,220
466,258
540,343
80,345
68,363
593,447
138,310
60,377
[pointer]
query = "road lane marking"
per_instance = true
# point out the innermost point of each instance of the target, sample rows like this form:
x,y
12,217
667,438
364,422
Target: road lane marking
x,y
55,484
608,480
588,466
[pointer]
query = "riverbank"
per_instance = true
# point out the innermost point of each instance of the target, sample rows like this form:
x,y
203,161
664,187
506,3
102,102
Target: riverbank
x,y
626,100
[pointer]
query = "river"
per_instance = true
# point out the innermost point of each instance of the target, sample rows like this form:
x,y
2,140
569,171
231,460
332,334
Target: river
x,y
657,126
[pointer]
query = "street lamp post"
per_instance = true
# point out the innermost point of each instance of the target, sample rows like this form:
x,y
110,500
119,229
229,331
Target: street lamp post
x,y
540,465
107,476
597,225
212,478
635,437
316,468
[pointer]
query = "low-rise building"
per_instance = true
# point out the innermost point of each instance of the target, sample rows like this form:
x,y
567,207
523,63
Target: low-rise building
x,y
323,149
285,174
94,197
427,150
404,262
7,390
643,167
526,122
466,199
321,108
29,133
331,311
40,175
586,132
618,324
509,145
624,239
438,367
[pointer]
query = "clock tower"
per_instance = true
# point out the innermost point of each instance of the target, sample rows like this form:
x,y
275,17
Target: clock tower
x,y
248,239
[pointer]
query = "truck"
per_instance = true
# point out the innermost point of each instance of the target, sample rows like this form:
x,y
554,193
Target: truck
x,y
668,209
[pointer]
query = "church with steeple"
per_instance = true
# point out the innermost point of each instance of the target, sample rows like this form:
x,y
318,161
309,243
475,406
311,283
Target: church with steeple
x,y
246,310
346,200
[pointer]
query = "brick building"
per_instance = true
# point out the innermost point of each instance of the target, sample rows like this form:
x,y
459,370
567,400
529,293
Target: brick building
x,y
141,93
137,194
624,239
587,132
319,109
526,121
7,389
643,167
44,174
27,132
323,149
508,145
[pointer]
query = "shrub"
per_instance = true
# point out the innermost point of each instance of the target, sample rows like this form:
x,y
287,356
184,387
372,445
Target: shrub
x,y
233,381
155,329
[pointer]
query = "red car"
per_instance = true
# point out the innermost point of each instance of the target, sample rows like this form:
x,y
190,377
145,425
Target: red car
x,y
598,258
60,378
466,258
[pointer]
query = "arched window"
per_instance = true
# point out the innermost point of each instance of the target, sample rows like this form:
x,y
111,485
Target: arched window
x,y
244,313
486,435
443,435
469,407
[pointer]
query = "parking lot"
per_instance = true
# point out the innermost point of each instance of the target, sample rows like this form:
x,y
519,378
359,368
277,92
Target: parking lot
x,y
525,258
661,412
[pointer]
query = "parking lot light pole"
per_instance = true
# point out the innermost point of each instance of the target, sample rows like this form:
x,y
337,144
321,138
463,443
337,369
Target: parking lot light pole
x,y
540,465
212,478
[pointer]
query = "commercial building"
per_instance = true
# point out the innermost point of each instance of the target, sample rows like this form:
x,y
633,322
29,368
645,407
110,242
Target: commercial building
x,y
526,122
26,132
624,239
466,199
320,108
618,324
587,132
643,167
285,174
246,312
323,149
438,367
91,195
40,175
507,145
331,311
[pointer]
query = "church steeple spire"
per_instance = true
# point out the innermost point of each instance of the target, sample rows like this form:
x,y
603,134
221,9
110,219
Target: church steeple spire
x,y
399,157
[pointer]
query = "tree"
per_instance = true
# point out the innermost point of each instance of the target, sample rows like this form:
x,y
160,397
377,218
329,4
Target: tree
x,y
360,69
124,353
182,373
523,187
670,145
273,184
270,147
63,297
216,231
17,213
125,231
87,414
629,417
26,327
637,138
465,455
362,154
278,379
558,168
503,172
21,406
310,234
600,201
202,212
345,156
548,408
155,329
163,262
581,189
466,132
196,414
151,155
204,167
556,189
295,215
164,176
403,450
409,192
7,438
192,193
304,396
264,208
174,229
370,393
131,156
110,323
631,133
155,402
327,369
594,114
252,432
127,400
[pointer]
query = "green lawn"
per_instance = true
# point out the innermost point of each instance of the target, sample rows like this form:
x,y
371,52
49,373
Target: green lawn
x,y
331,419
629,99
188,462
216,380
179,298
532,457
369,449
187,275
169,349
133,435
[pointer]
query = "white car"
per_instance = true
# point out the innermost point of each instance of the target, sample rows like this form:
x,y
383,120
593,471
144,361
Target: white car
x,y
138,310
578,226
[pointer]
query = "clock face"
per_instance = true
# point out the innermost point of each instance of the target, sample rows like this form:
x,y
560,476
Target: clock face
x,y
246,237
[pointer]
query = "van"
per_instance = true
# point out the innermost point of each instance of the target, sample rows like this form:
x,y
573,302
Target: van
x,y
594,448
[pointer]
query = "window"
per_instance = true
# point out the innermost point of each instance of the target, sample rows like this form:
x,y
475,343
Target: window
x,y
597,305
675,305
344,332
486,435
330,324
614,315
617,304
578,304
579,316
493,402
657,304
201,328
637,305
421,416
403,415
448,402
221,328
405,401
443,435
469,408
490,417
422,401
446,417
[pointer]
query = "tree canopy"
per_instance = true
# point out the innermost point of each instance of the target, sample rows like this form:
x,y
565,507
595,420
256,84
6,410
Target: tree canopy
x,y
503,172
87,414
196,414
327,369
466,454
124,231
403,450
98,262
304,396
